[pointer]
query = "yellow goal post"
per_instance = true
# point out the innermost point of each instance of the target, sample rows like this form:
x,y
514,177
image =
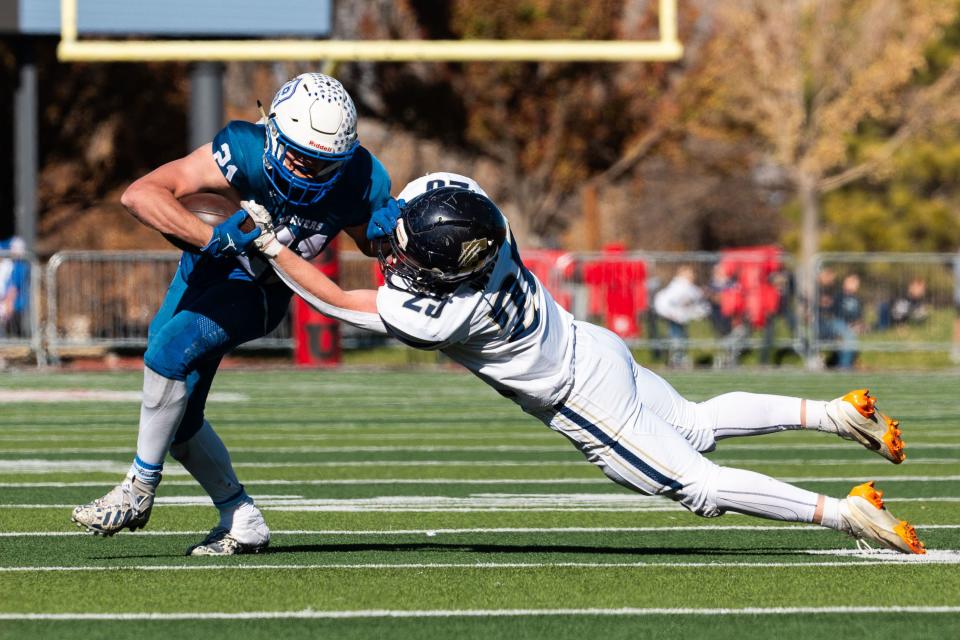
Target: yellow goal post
x,y
73,49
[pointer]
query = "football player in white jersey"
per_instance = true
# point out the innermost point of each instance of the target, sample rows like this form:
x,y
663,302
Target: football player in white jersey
x,y
455,282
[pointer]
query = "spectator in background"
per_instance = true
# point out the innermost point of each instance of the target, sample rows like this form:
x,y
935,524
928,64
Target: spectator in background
x,y
727,304
14,288
826,304
653,285
680,302
722,284
783,284
909,308
848,320
827,296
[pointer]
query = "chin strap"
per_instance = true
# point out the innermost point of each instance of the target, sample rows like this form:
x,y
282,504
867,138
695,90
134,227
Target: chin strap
x,y
360,319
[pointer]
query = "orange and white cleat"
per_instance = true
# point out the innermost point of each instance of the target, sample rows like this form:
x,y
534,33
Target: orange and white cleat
x,y
857,418
864,517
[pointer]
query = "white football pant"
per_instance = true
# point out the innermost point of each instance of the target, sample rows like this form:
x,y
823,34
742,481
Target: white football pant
x,y
633,425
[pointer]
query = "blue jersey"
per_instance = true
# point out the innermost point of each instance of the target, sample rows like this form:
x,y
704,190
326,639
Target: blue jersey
x,y
363,188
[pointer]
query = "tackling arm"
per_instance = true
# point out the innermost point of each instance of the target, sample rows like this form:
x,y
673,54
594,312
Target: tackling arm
x,y
357,307
359,236
153,198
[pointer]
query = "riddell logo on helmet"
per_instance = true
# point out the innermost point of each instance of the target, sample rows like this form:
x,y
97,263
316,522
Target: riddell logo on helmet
x,y
322,147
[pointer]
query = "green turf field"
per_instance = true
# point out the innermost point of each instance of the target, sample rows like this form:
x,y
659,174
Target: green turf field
x,y
421,504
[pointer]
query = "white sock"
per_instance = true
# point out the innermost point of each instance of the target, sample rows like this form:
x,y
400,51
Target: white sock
x,y
749,414
758,495
206,458
162,408
817,418
832,511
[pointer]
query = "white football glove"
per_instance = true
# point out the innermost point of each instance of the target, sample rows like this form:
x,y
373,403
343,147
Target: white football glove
x,y
267,242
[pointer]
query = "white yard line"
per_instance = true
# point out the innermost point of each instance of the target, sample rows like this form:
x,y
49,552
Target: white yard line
x,y
38,435
734,462
310,614
337,481
559,447
431,481
33,465
436,532
56,396
342,449
546,503
40,466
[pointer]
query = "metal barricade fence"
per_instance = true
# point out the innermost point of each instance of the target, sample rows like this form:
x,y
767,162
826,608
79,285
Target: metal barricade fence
x,y
20,333
718,305
98,300
891,302
747,301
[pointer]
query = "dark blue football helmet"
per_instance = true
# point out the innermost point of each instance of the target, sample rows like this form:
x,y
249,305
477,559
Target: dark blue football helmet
x,y
443,238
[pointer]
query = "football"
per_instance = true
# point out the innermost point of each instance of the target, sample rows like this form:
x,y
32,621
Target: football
x,y
211,209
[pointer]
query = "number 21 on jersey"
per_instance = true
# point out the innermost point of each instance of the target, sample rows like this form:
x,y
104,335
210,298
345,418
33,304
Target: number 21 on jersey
x,y
223,158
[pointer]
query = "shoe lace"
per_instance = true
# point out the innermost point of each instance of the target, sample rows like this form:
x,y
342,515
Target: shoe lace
x,y
121,496
865,547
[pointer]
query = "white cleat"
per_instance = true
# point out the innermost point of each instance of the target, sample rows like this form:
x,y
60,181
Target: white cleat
x,y
126,506
865,518
857,418
248,533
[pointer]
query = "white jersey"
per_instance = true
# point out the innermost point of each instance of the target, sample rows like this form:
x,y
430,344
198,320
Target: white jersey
x,y
511,333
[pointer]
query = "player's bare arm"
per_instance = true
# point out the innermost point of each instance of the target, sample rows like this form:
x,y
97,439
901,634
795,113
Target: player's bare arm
x,y
153,198
359,235
313,281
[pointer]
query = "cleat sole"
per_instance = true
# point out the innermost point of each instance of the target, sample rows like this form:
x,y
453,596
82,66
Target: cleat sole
x,y
892,439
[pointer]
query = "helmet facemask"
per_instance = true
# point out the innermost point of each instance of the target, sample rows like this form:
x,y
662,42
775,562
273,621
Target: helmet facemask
x,y
299,174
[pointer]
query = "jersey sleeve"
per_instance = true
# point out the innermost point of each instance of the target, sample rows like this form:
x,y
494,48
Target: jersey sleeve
x,y
364,188
422,322
238,149
379,185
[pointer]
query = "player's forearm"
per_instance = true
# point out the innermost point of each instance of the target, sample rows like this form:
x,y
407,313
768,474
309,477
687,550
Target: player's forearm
x,y
357,308
317,284
156,207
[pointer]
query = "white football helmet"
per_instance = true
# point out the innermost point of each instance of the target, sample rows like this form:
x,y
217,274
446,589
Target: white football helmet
x,y
311,133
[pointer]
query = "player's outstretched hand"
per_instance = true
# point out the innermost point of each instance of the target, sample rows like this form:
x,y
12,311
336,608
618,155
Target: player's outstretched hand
x,y
229,239
266,242
384,220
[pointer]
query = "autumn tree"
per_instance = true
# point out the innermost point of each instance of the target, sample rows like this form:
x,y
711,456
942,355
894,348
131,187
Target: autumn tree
x,y
805,76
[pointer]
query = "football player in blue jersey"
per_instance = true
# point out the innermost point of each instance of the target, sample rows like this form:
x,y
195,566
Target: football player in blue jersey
x,y
303,166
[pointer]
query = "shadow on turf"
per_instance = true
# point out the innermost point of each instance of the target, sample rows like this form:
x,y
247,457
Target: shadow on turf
x,y
517,549
440,547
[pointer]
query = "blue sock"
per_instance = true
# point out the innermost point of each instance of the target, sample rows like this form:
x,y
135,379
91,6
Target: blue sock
x,y
228,504
146,472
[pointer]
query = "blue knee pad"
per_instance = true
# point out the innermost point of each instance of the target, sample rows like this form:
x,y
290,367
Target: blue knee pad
x,y
198,324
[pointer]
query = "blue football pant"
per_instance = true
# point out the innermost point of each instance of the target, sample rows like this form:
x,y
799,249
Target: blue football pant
x,y
197,325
